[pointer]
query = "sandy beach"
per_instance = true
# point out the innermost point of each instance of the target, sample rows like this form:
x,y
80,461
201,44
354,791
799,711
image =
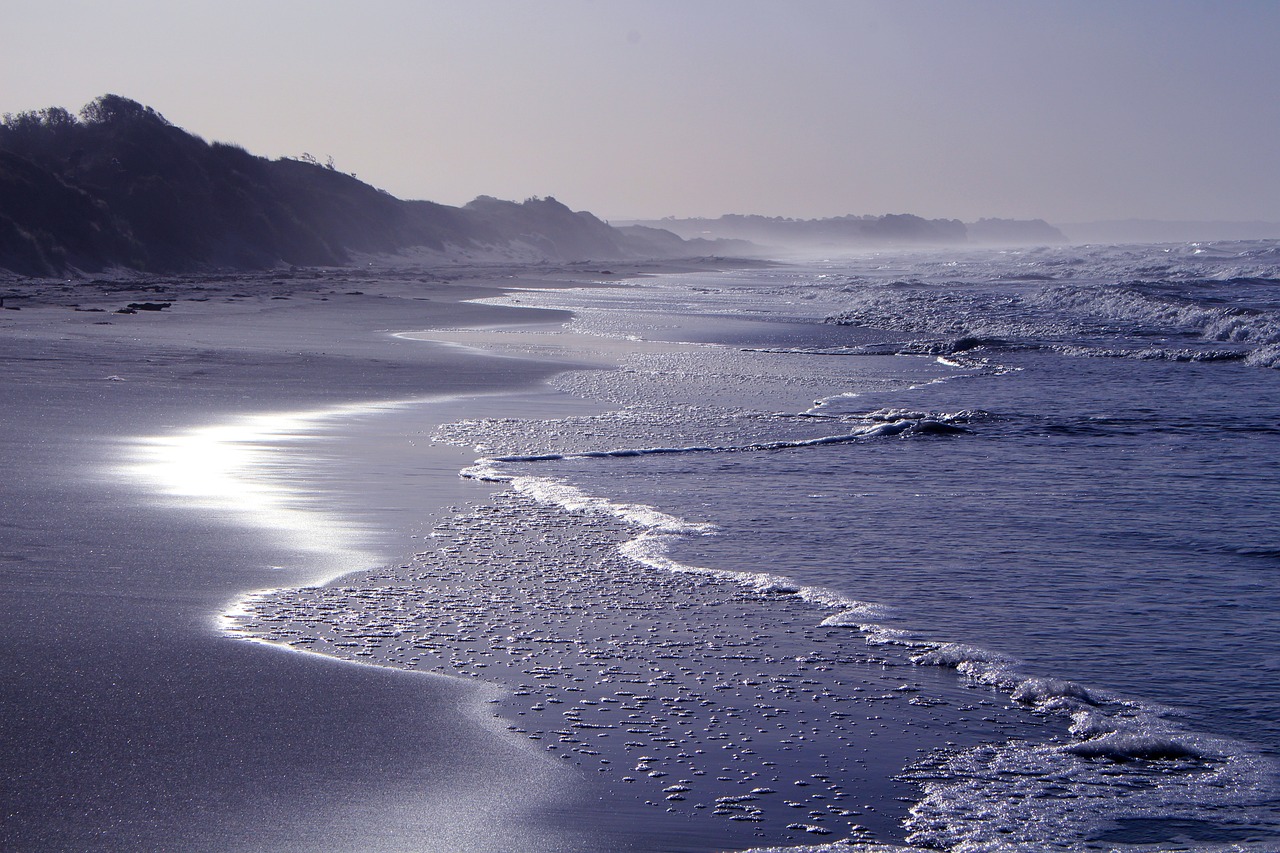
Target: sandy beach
x,y
601,427
338,560
221,494
134,721
129,720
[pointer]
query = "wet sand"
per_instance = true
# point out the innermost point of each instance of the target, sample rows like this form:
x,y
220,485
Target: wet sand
x,y
420,676
714,716
129,721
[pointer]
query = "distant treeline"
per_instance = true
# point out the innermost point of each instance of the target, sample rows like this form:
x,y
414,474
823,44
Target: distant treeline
x,y
862,231
119,186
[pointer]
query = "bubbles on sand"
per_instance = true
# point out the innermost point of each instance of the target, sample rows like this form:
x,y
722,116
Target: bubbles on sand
x,y
696,694
916,456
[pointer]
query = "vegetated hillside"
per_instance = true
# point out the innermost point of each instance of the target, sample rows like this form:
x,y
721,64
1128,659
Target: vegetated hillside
x,y
1014,232
119,186
893,230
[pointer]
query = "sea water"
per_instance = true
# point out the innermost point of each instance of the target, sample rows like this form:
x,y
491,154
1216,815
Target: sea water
x,y
1050,475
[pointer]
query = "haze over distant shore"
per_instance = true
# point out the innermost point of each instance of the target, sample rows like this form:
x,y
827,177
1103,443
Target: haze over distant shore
x,y
118,186
1168,231
839,232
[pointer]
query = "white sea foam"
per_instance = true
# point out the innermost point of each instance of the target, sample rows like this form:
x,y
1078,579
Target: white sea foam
x,y
1190,297
658,532
841,846
1104,728
877,424
1264,356
1130,303
857,617
231,621
559,493
1121,758
996,797
970,660
1005,797
1051,693
1020,796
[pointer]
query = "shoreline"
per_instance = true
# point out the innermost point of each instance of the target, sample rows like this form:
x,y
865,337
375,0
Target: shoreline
x,y
550,656
426,615
104,589
590,679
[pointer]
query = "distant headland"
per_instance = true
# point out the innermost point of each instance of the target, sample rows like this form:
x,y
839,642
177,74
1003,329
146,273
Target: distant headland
x,y
844,232
119,187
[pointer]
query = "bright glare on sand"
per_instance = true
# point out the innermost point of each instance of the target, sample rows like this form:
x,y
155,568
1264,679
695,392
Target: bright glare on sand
x,y
245,469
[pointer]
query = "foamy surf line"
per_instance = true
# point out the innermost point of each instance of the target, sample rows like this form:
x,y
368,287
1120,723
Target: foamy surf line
x,y
1203,787
892,424
659,531
976,799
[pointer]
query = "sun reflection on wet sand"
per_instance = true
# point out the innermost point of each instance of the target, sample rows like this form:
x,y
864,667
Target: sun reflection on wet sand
x,y
253,471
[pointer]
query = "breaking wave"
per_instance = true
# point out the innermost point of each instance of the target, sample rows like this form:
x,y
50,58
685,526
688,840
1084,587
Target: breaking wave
x,y
1078,319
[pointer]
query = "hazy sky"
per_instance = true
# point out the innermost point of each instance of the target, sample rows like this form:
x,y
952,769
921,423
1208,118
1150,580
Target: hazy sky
x,y
1064,110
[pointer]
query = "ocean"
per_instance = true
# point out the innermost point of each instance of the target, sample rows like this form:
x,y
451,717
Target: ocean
x,y
967,550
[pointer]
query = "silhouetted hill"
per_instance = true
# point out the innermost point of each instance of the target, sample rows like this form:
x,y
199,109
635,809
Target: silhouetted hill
x,y
841,232
46,224
818,233
119,186
1014,232
545,225
660,243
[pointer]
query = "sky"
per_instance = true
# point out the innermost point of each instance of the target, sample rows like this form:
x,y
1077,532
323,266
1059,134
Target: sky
x,y
1067,111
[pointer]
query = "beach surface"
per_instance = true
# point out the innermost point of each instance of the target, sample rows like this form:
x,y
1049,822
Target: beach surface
x,y
579,559
161,464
